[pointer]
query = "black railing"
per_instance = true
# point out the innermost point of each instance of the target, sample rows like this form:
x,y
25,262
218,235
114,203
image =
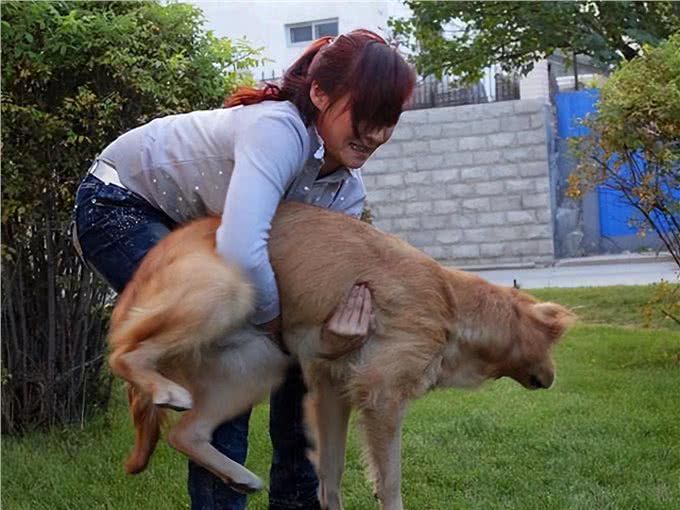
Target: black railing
x,y
433,93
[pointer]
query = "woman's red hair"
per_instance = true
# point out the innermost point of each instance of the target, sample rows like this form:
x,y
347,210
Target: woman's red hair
x,y
359,64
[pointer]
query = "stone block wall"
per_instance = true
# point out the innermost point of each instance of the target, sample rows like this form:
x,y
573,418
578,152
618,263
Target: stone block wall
x,y
469,185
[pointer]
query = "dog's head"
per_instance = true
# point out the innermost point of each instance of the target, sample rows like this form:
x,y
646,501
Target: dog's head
x,y
503,333
535,329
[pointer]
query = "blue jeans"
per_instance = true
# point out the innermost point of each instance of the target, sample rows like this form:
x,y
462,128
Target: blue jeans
x,y
115,228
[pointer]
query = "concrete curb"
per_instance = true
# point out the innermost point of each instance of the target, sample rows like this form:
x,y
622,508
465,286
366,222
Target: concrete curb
x,y
491,267
595,260
624,258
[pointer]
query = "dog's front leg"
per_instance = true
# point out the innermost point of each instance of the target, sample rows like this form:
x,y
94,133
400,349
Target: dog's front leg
x,y
381,424
327,415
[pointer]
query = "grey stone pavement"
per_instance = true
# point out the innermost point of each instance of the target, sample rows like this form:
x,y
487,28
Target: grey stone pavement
x,y
586,272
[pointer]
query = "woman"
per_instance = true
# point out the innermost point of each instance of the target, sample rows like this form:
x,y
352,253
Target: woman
x,y
303,140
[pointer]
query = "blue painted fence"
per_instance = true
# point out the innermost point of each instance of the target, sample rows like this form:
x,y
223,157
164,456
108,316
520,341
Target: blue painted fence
x,y
615,212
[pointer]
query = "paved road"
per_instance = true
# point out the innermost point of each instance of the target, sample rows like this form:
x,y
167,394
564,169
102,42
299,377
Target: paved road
x,y
596,275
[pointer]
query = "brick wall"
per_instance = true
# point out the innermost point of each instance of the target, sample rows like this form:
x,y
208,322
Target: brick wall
x,y
469,185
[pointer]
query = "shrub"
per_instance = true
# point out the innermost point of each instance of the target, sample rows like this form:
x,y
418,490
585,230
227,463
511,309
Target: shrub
x,y
74,76
634,143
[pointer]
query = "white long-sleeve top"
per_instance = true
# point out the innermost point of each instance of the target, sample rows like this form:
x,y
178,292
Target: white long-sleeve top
x,y
238,163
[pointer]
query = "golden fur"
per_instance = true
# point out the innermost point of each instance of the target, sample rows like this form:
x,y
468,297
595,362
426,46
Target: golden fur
x,y
180,336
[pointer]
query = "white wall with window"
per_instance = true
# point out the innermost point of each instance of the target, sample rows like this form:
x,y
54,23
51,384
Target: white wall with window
x,y
284,28
303,33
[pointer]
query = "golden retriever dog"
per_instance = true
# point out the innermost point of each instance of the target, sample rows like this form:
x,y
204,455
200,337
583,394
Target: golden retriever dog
x,y
180,336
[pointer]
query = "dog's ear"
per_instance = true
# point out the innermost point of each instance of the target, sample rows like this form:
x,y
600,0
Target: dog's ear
x,y
554,318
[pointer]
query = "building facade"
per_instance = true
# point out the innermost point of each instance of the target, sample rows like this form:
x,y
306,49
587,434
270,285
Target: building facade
x,y
284,28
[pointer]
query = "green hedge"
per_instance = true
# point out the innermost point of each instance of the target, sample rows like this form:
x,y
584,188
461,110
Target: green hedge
x,y
75,75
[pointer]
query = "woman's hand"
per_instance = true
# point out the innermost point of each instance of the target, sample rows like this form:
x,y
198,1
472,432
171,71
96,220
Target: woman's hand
x,y
348,327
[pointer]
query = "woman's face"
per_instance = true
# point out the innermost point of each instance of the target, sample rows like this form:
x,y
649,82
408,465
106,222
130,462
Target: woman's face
x,y
334,124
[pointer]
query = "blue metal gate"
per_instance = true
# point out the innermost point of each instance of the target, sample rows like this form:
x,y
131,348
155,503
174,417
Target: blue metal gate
x,y
614,212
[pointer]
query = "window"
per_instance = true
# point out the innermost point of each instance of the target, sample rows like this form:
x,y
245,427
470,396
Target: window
x,y
307,32
326,28
300,34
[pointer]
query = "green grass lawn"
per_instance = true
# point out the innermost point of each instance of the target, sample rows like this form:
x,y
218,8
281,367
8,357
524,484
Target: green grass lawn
x,y
607,436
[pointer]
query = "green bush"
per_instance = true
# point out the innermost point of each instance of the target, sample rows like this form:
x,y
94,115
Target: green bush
x,y
634,145
75,75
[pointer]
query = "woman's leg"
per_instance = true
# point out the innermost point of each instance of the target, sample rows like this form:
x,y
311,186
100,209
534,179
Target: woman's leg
x,y
293,481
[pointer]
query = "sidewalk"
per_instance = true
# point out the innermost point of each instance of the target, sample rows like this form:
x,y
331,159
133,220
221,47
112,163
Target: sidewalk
x,y
597,272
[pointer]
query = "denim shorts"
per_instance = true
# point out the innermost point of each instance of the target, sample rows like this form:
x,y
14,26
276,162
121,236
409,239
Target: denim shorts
x,y
114,228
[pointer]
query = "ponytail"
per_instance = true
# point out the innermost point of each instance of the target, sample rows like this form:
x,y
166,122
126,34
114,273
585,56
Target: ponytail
x,y
294,84
359,64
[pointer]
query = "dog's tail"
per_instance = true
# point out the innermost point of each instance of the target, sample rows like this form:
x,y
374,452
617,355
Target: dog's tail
x,y
147,419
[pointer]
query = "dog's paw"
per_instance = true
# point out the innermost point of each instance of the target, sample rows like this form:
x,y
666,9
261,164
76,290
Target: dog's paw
x,y
329,499
247,484
173,396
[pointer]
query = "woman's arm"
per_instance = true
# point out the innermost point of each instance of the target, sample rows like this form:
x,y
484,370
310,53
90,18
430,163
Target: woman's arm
x,y
352,320
267,157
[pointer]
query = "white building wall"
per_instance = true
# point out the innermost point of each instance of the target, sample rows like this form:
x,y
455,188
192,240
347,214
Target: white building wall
x,y
264,23
536,84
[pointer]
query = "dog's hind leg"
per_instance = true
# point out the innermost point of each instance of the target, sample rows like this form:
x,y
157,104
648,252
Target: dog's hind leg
x,y
381,426
227,384
139,367
192,436
216,402
327,414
